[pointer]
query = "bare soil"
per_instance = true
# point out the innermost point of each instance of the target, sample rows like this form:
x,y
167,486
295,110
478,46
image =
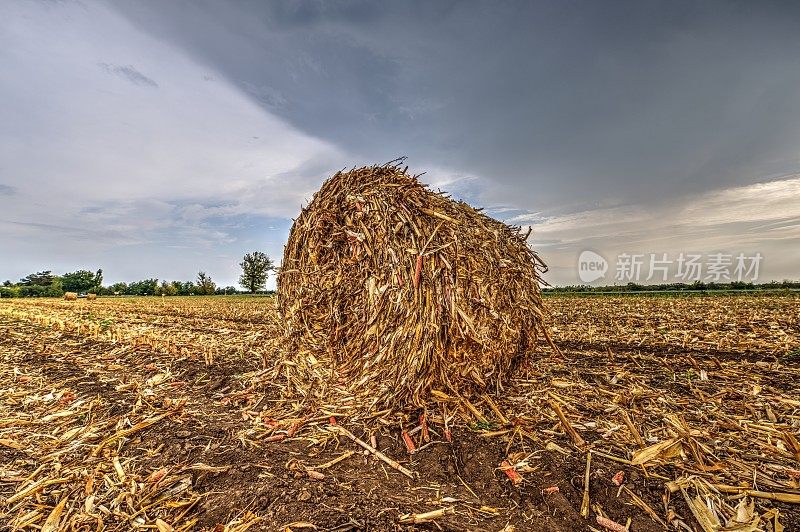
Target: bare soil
x,y
234,478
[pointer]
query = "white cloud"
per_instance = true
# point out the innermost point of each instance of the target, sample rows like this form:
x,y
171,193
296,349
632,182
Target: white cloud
x,y
109,136
763,217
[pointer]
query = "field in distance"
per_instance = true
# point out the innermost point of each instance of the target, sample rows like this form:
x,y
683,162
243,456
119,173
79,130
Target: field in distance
x,y
170,414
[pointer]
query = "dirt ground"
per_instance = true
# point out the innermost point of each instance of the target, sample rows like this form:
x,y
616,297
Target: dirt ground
x,y
197,466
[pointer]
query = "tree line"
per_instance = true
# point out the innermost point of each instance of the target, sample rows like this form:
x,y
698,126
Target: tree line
x,y
697,286
256,267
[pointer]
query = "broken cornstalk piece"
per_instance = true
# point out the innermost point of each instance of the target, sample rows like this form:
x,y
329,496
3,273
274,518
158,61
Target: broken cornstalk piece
x,y
391,463
510,472
426,517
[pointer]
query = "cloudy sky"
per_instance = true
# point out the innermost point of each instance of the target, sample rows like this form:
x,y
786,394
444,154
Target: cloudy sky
x,y
155,139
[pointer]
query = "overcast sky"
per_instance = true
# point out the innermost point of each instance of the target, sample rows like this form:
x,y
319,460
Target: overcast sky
x,y
156,139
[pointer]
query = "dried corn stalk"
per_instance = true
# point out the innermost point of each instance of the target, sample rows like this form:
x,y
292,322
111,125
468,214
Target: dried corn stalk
x,y
396,291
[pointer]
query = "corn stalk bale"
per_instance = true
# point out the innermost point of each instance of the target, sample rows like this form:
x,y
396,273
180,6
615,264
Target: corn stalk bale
x,y
70,296
398,291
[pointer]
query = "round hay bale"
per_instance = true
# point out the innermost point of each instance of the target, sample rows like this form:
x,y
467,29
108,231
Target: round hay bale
x,y
403,291
70,296
91,297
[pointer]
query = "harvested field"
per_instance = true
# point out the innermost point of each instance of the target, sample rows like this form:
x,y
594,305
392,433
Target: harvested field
x,y
677,413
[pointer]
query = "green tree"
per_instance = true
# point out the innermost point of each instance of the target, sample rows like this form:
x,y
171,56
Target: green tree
x,y
10,291
205,286
147,287
227,291
31,290
186,288
56,288
168,289
44,278
79,281
118,288
255,270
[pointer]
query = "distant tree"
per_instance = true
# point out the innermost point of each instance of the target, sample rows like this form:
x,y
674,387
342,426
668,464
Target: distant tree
x,y
7,283
103,291
118,288
698,285
34,290
31,290
205,286
10,291
186,288
56,288
44,278
227,291
255,270
98,278
146,287
79,281
167,289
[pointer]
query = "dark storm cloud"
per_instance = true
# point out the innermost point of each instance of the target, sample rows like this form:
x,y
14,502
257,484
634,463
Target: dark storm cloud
x,y
556,102
617,127
129,73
